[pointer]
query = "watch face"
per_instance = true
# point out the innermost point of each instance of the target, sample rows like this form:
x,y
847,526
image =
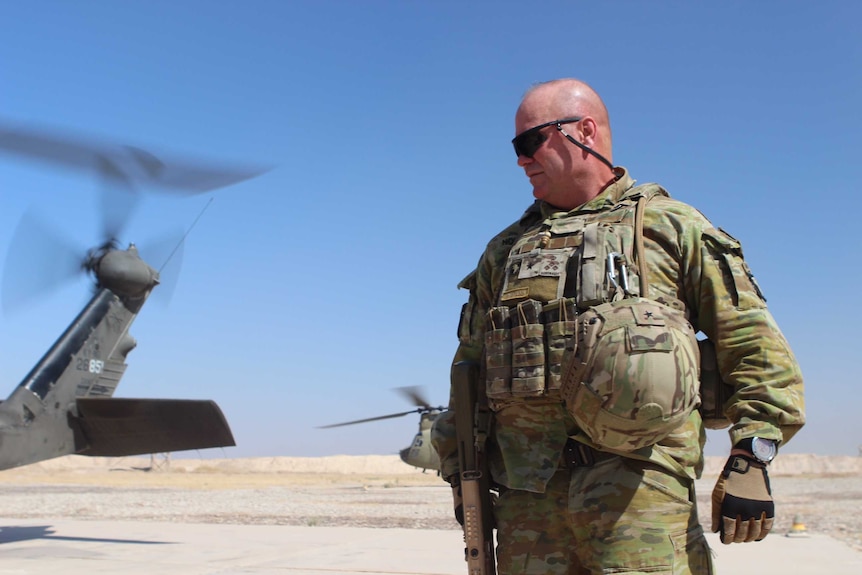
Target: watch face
x,y
763,449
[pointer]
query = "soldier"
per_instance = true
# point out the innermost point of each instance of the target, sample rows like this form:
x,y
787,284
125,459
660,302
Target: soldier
x,y
583,314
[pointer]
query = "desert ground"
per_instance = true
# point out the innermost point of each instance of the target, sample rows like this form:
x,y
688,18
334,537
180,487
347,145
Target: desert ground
x,y
814,494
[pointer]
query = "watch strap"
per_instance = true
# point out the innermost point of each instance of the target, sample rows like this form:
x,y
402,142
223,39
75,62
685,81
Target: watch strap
x,y
745,445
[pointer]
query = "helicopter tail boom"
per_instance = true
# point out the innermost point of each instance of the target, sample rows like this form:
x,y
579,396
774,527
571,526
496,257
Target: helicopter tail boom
x,y
65,404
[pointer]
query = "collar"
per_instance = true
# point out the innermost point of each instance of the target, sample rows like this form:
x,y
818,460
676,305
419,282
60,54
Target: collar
x,y
607,198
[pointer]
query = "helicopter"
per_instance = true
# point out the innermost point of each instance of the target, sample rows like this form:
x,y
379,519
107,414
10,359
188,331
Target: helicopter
x,y
65,404
420,453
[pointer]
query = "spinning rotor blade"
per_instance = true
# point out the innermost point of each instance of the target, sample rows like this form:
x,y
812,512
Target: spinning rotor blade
x,y
371,419
134,164
39,261
194,177
412,393
118,200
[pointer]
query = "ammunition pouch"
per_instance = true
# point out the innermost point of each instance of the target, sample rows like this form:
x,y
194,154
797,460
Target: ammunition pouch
x,y
524,349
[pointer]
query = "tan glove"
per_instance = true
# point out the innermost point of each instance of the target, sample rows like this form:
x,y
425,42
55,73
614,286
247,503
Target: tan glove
x,y
742,506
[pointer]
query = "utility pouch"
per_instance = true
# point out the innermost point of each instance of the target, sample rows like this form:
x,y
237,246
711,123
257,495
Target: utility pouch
x,y
714,391
601,240
633,377
498,353
528,349
560,321
591,273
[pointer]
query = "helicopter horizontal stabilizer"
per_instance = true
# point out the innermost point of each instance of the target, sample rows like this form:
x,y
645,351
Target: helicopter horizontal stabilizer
x,y
113,427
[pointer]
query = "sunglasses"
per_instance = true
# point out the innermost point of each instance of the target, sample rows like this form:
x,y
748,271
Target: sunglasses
x,y
529,141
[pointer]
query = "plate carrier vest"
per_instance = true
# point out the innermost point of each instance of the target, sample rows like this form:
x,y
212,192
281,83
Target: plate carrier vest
x,y
571,324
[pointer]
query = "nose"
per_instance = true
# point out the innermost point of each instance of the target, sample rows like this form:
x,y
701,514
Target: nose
x,y
524,160
404,454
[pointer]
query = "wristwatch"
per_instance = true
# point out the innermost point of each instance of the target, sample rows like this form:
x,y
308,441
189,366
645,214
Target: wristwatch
x,y
763,450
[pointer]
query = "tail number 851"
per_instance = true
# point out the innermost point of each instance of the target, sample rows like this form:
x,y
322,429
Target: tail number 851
x,y
91,365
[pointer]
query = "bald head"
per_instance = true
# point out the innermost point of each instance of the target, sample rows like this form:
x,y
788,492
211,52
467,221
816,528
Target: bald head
x,y
572,97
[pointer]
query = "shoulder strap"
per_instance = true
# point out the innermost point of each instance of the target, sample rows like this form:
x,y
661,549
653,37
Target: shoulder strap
x,y
643,194
639,246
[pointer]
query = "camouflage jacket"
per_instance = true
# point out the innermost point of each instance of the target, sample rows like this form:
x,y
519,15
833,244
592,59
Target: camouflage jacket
x,y
689,261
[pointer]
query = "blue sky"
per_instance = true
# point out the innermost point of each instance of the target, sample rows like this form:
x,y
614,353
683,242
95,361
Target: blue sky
x,y
307,294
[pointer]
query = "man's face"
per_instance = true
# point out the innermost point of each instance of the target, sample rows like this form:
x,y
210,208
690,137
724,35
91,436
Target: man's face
x,y
553,170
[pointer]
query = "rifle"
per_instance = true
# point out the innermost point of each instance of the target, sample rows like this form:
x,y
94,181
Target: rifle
x,y
471,427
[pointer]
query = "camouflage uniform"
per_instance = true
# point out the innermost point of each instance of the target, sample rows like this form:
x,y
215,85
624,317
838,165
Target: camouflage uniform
x,y
631,511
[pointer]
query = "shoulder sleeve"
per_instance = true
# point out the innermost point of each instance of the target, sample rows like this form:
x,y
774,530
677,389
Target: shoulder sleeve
x,y
725,303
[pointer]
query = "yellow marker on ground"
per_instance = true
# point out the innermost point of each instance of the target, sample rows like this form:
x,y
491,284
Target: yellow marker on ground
x,y
798,528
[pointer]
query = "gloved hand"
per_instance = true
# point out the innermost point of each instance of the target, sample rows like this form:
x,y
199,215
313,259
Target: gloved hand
x,y
458,502
742,506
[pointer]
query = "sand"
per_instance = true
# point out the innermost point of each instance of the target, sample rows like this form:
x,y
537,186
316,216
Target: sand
x,y
820,493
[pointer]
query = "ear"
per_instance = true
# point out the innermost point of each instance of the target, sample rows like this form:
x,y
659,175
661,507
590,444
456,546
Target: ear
x,y
589,131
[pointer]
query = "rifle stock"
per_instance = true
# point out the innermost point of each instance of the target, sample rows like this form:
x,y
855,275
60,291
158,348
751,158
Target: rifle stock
x,y
471,425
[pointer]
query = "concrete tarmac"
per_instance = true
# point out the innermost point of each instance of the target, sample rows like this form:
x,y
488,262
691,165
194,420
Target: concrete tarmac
x,y
114,547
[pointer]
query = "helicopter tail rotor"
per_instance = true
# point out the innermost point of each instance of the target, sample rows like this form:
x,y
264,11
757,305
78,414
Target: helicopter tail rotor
x,y
39,262
122,170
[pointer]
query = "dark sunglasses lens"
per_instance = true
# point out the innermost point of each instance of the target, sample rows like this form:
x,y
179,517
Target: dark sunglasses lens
x,y
527,143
